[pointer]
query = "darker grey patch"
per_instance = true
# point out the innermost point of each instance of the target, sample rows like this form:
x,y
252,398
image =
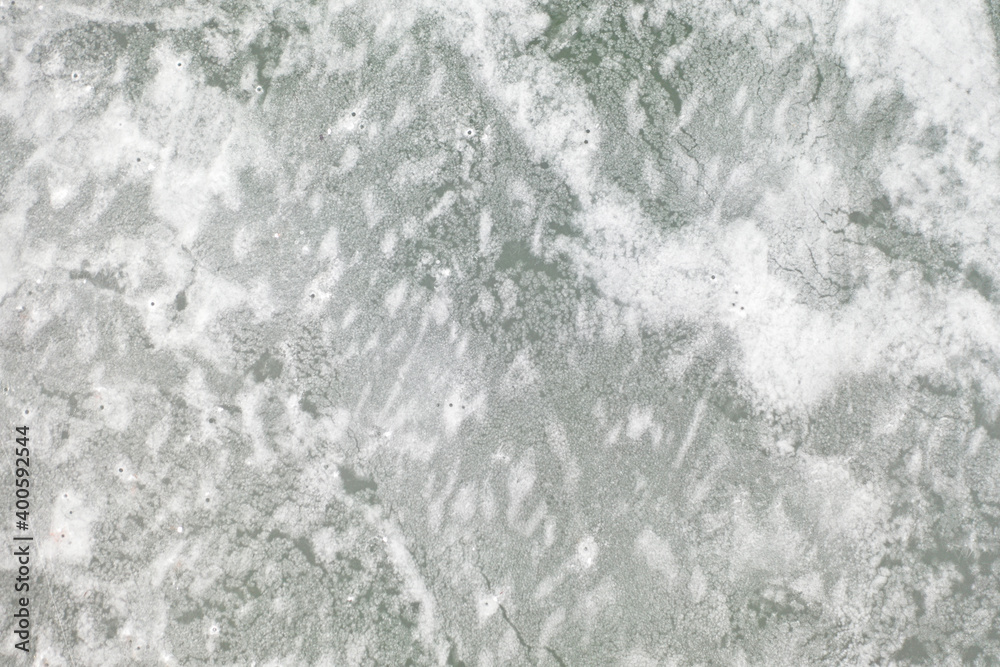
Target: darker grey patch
x,y
453,659
266,52
353,483
516,254
111,630
671,90
881,205
925,384
305,546
103,279
767,611
934,138
180,301
266,367
878,229
263,55
215,72
564,228
555,656
971,654
190,616
984,417
913,651
993,9
733,406
69,397
308,407
920,602
979,281
859,218
940,554
15,150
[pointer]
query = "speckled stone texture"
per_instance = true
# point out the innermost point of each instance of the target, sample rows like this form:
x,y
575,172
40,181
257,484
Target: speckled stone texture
x,y
503,333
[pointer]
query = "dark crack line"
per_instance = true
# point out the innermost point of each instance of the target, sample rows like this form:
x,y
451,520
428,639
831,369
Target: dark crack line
x,y
829,281
517,632
805,279
555,656
520,638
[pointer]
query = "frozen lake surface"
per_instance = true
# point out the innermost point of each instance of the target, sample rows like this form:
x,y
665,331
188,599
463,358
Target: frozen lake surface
x,y
503,333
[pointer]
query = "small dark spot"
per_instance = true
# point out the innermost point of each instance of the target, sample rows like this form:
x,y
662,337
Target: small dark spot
x,y
585,141
121,470
469,133
362,126
180,301
138,159
734,305
353,114
179,64
741,307
451,405
26,412
152,303
312,296
206,500
102,407
713,277
211,420
587,131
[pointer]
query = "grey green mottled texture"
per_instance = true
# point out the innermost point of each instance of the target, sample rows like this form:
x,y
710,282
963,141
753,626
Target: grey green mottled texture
x,y
471,333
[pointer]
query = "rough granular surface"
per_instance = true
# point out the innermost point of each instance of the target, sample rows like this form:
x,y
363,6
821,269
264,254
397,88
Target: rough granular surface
x,y
483,334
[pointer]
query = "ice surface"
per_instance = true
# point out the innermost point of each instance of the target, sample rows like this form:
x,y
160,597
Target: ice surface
x,y
512,333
